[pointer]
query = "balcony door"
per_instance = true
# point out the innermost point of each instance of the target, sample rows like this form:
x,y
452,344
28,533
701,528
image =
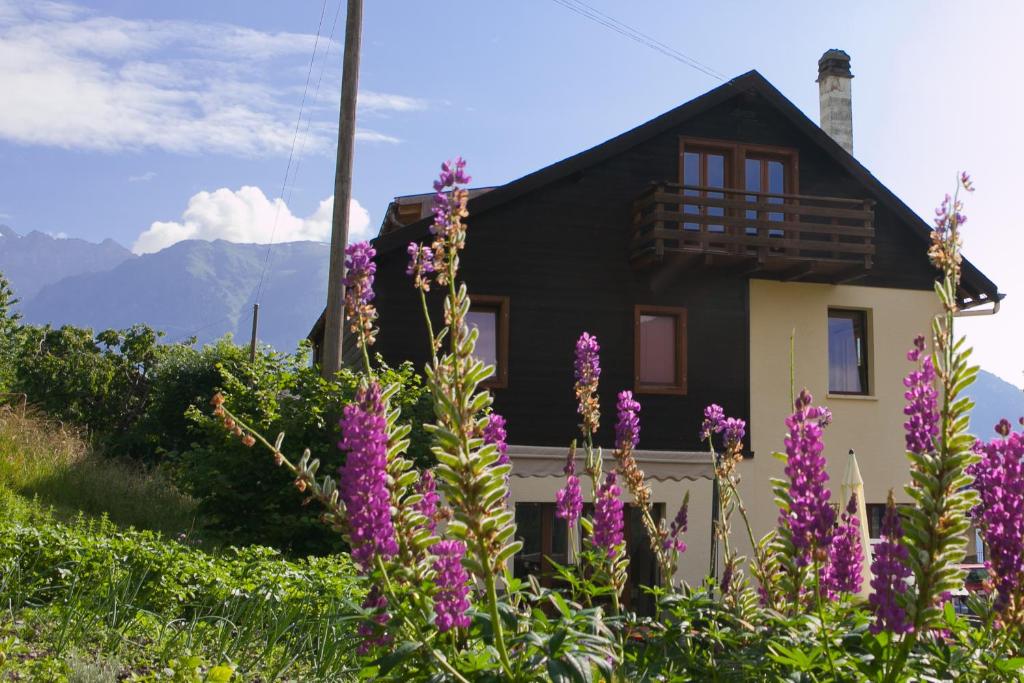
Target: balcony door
x,y
765,174
706,173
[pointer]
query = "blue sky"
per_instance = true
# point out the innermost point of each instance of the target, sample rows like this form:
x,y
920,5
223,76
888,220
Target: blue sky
x,y
170,120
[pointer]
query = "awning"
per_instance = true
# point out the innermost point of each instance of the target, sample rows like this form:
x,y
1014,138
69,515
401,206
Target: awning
x,y
549,461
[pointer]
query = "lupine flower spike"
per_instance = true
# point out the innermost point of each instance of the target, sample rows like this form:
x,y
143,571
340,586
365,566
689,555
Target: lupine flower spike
x,y
999,479
451,601
846,557
810,517
890,571
363,481
569,500
359,275
608,520
587,371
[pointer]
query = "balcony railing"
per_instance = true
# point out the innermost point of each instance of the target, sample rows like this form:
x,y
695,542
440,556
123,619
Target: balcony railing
x,y
769,232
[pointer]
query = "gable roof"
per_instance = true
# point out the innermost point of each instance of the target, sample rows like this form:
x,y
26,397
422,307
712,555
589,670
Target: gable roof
x,y
976,288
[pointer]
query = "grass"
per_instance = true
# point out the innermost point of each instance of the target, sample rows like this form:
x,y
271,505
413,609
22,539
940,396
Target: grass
x,y
84,600
51,462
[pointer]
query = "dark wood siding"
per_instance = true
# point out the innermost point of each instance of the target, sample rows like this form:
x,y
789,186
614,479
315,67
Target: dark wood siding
x,y
561,255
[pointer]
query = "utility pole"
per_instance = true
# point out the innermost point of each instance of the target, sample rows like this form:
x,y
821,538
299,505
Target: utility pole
x,y
255,326
334,327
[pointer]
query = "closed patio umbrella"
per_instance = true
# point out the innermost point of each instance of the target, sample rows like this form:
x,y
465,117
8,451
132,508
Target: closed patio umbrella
x,y
853,484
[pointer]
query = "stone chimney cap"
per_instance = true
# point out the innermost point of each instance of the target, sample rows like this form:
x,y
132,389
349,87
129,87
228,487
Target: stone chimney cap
x,y
834,62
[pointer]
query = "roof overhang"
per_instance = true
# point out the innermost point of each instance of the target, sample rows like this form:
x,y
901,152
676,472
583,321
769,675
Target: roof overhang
x,y
549,461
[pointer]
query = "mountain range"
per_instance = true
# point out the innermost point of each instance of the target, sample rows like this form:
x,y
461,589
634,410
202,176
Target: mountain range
x,y
192,288
206,289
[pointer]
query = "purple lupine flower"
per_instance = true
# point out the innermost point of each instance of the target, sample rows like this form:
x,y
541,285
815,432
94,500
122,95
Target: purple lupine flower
x,y
359,274
890,571
569,500
627,429
922,425
713,417
427,506
727,577
452,174
363,481
451,602
733,430
608,519
587,372
846,557
810,517
677,528
421,264
999,480
372,631
494,433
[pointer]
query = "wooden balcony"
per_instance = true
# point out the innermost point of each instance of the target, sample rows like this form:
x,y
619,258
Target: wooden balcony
x,y
787,236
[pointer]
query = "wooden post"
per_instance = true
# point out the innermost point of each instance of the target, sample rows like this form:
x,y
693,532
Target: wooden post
x,y
255,324
334,330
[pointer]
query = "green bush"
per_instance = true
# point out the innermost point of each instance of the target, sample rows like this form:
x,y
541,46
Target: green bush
x,y
243,496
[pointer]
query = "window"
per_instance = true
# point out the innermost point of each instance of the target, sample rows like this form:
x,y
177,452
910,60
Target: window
x,y
765,174
705,170
489,316
847,352
545,537
660,350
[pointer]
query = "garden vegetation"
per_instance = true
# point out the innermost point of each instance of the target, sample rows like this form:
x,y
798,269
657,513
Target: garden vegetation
x,y
412,506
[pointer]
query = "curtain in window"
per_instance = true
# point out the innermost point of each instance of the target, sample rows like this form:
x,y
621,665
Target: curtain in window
x,y
843,369
657,349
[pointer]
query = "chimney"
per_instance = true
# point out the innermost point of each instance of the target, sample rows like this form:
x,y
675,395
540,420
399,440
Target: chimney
x,y
835,97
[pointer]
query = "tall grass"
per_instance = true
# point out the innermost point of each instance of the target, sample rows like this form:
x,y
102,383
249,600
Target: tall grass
x,y
47,460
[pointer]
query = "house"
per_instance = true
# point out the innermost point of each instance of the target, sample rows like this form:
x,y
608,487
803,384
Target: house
x,y
693,246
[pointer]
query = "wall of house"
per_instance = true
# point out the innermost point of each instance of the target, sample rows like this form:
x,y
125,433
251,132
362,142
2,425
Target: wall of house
x,y
871,425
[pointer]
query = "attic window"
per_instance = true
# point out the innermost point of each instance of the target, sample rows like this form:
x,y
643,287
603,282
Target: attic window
x,y
409,213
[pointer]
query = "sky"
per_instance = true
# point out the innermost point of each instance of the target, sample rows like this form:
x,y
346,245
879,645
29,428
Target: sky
x,y
153,122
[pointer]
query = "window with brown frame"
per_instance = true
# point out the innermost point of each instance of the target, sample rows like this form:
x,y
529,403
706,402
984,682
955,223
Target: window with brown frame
x,y
660,349
707,165
848,352
489,316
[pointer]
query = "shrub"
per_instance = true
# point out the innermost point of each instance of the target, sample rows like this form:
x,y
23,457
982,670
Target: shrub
x,y
243,497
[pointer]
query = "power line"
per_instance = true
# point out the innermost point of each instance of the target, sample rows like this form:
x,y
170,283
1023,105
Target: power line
x,y
291,151
595,15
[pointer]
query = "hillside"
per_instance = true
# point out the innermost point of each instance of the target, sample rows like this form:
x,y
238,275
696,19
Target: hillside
x,y
994,399
195,288
35,260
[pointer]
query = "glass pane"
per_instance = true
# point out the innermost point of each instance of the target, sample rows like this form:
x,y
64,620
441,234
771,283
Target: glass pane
x,y
643,566
528,530
752,175
716,170
487,343
658,349
846,368
691,168
776,177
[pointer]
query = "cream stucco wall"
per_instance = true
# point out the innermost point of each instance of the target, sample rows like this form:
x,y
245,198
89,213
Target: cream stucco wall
x,y
870,425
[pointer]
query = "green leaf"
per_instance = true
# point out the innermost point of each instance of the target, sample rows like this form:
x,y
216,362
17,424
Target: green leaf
x,y
397,656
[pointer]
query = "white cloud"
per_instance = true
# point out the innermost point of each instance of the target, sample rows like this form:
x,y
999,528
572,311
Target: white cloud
x,y
248,216
74,79
367,135
378,101
142,177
